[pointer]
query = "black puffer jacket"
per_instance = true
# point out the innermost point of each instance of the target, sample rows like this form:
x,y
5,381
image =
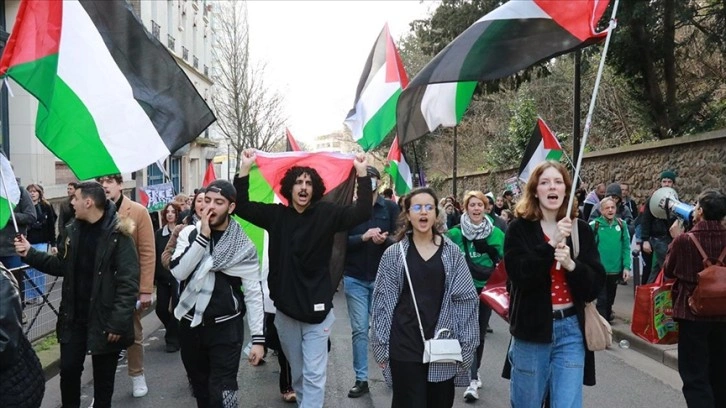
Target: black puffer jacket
x,y
114,288
22,383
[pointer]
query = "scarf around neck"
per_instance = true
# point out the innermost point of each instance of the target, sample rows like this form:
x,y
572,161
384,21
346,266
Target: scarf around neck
x,y
473,231
234,255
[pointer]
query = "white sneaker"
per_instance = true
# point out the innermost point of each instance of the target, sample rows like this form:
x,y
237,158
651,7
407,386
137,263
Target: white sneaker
x,y
471,394
478,380
139,386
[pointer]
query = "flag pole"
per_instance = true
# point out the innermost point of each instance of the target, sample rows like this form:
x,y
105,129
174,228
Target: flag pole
x,y
588,119
5,191
453,174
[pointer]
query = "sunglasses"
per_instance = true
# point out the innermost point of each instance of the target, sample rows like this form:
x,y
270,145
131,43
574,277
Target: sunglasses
x,y
418,207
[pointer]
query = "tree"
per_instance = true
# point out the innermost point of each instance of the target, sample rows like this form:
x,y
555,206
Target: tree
x,y
672,52
249,114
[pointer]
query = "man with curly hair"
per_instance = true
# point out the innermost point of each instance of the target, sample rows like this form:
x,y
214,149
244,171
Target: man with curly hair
x,y
300,245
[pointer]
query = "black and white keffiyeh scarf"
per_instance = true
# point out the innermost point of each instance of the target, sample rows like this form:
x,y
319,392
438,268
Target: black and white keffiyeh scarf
x,y
473,231
234,255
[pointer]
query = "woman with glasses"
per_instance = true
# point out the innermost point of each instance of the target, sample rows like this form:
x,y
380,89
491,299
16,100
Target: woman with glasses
x,y
482,245
445,297
548,291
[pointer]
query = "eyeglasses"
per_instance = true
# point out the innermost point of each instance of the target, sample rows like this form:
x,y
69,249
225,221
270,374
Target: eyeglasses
x,y
418,207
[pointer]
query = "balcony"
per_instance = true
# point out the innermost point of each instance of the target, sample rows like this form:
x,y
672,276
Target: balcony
x,y
155,29
185,53
171,42
195,62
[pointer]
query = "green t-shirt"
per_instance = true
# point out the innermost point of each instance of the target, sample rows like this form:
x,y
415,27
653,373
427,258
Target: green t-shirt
x,y
495,239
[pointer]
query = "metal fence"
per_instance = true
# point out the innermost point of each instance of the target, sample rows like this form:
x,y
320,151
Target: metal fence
x,y
41,301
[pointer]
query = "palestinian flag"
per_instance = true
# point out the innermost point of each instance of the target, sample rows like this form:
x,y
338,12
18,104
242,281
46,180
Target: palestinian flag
x,y
291,143
512,37
542,146
398,169
111,97
374,113
9,191
336,170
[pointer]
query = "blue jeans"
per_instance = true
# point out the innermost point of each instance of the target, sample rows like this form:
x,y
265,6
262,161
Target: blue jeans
x,y
36,277
359,294
306,347
559,365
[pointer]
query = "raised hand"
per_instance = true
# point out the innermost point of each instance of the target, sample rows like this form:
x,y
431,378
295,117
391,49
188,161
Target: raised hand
x,y
360,163
246,160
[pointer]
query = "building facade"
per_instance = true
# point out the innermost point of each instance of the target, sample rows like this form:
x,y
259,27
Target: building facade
x,y
185,27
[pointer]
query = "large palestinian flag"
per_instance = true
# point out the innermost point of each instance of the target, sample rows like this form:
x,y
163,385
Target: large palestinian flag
x,y
512,37
111,97
543,145
336,170
383,78
399,169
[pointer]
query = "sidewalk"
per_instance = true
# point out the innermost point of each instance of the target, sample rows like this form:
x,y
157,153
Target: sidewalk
x,y
623,311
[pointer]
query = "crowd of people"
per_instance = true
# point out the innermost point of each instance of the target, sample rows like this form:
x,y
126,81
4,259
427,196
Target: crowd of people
x,y
414,269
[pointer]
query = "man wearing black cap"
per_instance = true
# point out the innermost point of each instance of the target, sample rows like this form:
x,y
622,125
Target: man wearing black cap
x,y
366,244
300,245
654,233
215,260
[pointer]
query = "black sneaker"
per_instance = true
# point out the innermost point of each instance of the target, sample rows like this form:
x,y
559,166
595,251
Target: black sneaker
x,y
489,329
360,388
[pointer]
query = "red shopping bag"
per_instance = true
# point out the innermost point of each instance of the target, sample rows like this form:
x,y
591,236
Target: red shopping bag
x,y
653,313
495,294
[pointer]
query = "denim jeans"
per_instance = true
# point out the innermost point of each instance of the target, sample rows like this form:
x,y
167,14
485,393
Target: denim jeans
x,y
558,366
359,294
306,348
36,278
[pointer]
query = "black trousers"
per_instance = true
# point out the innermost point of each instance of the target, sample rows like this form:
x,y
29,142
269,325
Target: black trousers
x,y
167,297
211,356
606,298
702,363
73,354
272,340
485,313
411,387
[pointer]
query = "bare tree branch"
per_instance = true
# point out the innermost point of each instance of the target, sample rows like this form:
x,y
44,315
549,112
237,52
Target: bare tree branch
x,y
249,114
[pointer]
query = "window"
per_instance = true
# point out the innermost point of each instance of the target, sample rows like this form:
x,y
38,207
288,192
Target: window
x,y
206,70
171,42
185,53
155,29
195,62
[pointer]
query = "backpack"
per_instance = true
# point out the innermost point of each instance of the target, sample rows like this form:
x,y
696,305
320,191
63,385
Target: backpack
x,y
709,297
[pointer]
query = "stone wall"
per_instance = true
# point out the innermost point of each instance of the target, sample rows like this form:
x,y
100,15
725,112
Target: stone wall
x,y
699,162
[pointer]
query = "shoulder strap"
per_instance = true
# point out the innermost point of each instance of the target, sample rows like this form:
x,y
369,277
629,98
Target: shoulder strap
x,y
575,236
703,253
466,247
413,295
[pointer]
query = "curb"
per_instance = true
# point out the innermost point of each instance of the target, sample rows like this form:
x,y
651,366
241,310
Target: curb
x,y
50,359
664,354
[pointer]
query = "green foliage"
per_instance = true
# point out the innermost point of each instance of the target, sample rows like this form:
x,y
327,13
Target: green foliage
x,y
46,343
672,54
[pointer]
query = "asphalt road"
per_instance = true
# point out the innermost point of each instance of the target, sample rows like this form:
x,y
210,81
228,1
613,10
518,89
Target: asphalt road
x,y
625,378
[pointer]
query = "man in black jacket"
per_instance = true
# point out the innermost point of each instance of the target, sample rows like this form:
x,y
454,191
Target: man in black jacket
x,y
100,268
300,246
366,244
214,261
654,233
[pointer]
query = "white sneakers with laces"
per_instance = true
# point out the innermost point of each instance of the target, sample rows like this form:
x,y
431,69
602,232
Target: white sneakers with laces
x,y
139,386
472,394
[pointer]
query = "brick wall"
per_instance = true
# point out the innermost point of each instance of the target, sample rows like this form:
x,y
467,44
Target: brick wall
x,y
699,162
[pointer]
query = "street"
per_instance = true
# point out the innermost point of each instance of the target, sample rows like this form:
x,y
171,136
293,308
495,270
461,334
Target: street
x,y
625,378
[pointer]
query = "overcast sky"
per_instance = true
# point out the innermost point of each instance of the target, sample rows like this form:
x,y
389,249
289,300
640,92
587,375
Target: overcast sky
x,y
315,52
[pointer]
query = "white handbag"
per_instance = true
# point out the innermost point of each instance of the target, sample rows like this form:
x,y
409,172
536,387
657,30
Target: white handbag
x,y
436,350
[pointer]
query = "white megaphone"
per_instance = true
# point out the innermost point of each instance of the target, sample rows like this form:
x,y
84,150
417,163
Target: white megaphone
x,y
665,201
